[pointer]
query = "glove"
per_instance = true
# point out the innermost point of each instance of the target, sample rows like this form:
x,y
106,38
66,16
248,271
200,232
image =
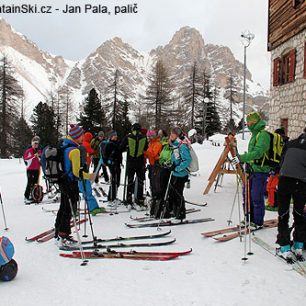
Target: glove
x,y
172,167
235,161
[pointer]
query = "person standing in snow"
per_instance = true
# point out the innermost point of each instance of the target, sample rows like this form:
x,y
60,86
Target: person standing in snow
x,y
181,160
136,144
32,160
259,145
292,184
69,186
95,145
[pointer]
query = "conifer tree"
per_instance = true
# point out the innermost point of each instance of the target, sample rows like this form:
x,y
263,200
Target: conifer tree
x,y
43,124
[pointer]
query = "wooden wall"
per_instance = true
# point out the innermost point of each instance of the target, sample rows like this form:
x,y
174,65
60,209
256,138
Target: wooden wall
x,y
284,21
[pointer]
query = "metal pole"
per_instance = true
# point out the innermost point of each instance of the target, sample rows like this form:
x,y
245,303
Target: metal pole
x,y
244,91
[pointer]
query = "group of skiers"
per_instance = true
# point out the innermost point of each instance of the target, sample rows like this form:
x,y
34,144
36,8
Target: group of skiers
x,y
165,158
291,170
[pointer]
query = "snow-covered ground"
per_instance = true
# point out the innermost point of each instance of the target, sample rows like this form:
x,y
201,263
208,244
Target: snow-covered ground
x,y
213,274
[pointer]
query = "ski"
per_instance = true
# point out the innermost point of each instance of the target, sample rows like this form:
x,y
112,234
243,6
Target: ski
x,y
34,238
145,219
118,245
296,265
97,192
128,255
49,236
196,204
237,233
230,229
102,191
119,238
168,223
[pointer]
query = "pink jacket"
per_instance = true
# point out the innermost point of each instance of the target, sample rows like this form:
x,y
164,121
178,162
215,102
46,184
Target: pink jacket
x,y
32,161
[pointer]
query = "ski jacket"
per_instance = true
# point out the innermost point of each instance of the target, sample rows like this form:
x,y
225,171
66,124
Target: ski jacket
x,y
294,159
113,155
95,145
181,157
153,151
136,144
86,143
165,157
72,160
257,147
31,160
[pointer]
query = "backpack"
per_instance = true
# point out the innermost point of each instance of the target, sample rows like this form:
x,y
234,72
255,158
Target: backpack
x,y
52,163
194,164
272,158
37,193
6,250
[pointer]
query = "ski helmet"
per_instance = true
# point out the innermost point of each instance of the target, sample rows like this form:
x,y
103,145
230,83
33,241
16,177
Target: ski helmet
x,y
8,271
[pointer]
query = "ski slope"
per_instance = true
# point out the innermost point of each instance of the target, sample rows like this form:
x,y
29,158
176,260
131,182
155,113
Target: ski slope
x,y
213,274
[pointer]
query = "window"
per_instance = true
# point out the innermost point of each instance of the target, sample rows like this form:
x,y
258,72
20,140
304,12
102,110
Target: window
x,y
284,68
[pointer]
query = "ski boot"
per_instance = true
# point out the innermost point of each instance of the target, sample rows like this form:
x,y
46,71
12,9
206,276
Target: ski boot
x,y
297,250
286,254
98,210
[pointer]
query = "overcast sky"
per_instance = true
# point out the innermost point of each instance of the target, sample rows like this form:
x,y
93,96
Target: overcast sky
x,y
75,36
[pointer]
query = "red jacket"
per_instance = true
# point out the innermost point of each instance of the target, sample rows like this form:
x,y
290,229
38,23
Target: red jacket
x,y
86,143
32,161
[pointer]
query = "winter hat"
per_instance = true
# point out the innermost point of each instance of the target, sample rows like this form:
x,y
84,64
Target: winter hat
x,y
75,131
143,131
101,134
35,139
253,117
136,127
112,134
177,131
151,133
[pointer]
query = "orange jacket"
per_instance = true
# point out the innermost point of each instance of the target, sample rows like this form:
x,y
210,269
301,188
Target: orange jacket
x,y
153,151
271,188
86,143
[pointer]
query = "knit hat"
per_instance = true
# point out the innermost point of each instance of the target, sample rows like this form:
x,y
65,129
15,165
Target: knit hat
x,y
254,117
75,131
152,133
136,127
177,131
35,139
101,134
112,134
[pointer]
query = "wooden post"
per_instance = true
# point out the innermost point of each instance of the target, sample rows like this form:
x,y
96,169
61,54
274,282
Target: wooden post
x,y
230,147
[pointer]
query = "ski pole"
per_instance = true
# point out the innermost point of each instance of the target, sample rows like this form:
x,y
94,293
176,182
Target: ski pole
x,y
249,217
165,202
84,261
229,221
85,223
125,178
3,213
239,209
246,222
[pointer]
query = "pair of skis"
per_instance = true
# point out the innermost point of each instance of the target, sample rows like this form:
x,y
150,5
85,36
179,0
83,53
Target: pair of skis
x,y
134,255
230,233
49,234
99,191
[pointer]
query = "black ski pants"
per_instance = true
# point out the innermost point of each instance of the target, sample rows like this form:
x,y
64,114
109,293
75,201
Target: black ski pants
x,y
291,188
115,172
176,197
32,176
138,168
69,194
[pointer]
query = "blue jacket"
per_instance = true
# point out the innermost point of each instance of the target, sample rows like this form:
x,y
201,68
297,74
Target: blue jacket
x,y
180,158
68,145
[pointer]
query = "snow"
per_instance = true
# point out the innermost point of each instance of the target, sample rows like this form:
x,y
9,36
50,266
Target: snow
x,y
213,274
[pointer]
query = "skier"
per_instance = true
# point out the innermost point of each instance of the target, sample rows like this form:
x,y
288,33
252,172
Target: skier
x,y
31,159
259,144
85,153
135,143
113,158
152,154
95,145
181,159
292,184
69,186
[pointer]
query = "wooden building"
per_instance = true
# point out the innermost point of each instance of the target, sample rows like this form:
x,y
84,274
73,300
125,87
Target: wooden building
x,y
287,44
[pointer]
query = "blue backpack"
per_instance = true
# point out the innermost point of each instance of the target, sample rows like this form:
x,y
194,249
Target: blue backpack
x,y
6,250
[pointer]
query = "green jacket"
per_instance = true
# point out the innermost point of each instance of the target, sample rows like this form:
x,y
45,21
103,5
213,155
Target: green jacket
x,y
257,147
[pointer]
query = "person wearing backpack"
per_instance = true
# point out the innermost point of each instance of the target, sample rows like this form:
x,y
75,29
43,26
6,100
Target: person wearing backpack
x,y
32,160
69,183
292,185
136,144
113,159
181,160
258,148
95,145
